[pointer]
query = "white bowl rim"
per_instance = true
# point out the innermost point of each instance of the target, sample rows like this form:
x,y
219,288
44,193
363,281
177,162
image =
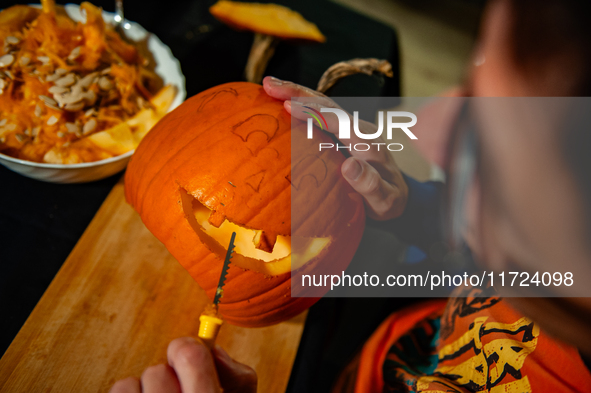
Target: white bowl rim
x,y
67,166
91,163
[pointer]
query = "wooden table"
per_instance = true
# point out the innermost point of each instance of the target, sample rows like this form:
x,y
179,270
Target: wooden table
x,y
114,306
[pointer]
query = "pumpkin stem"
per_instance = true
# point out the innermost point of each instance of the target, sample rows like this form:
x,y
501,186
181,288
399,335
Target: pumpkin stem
x,y
261,52
354,66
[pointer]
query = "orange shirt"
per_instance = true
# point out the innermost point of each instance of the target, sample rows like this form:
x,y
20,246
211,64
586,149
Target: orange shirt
x,y
467,344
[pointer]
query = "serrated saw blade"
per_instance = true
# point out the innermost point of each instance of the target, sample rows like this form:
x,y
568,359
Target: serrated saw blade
x,y
219,291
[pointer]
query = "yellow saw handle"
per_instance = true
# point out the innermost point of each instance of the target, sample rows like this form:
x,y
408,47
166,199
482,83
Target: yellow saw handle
x,y
209,322
208,329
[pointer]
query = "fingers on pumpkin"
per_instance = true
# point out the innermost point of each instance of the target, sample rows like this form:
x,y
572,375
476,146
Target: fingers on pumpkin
x,y
265,241
301,111
284,90
384,200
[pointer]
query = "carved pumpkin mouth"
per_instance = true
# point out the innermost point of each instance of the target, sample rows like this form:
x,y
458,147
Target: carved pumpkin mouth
x,y
245,238
277,261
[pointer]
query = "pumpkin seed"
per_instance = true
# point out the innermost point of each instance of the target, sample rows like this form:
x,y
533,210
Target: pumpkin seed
x,y
90,112
52,77
6,60
20,137
9,74
59,99
35,131
67,80
61,71
11,40
52,120
73,128
24,61
77,90
48,100
43,59
60,134
90,97
74,107
87,80
28,131
104,83
57,108
65,99
58,89
3,122
74,53
38,111
89,126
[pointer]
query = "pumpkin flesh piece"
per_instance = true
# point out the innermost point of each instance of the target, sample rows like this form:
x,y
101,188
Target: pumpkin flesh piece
x,y
246,254
268,19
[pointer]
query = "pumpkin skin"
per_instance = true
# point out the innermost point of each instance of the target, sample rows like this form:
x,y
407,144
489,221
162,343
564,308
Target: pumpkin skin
x,y
229,149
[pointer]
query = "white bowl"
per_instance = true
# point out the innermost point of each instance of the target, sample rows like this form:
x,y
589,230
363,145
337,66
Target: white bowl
x,y
71,173
168,68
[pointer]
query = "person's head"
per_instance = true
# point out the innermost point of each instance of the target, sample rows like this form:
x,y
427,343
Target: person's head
x,y
531,205
532,48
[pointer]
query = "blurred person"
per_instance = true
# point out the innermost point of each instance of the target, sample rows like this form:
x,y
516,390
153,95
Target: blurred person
x,y
530,200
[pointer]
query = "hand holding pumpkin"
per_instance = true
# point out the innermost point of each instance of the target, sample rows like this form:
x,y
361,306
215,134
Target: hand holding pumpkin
x,y
192,368
373,174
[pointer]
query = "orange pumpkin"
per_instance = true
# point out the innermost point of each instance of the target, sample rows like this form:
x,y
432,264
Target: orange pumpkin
x,y
221,162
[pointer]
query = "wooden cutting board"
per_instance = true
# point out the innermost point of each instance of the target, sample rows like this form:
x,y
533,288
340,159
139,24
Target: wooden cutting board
x,y
114,306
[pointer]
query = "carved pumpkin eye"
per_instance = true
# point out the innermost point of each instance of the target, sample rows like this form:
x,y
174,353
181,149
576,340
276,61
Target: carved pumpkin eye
x,y
221,163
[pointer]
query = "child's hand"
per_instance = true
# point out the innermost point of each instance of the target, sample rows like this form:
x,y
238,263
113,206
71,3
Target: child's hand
x,y
373,174
191,368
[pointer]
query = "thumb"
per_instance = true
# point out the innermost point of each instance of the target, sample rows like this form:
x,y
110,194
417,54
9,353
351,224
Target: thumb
x,y
194,366
234,377
383,200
